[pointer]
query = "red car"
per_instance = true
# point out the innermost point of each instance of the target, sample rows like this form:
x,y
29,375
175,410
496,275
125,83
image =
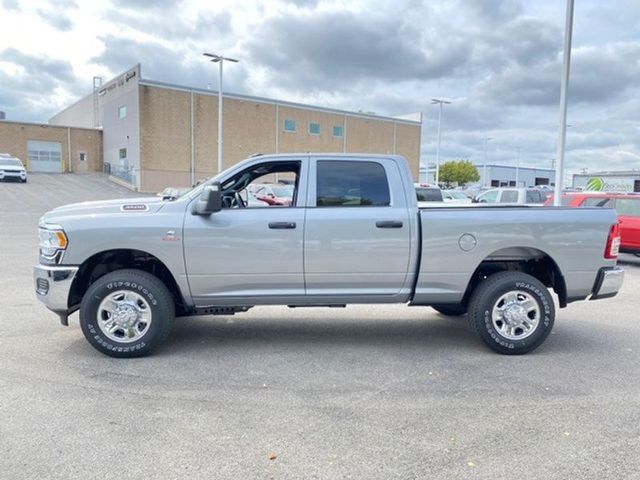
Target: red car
x,y
628,209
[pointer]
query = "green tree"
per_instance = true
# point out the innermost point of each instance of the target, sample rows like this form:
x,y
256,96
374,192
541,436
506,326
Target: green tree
x,y
458,171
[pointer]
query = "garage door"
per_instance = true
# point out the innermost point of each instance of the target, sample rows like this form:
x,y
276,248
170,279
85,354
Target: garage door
x,y
44,156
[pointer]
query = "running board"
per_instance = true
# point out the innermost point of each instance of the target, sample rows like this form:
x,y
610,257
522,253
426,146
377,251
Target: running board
x,y
220,310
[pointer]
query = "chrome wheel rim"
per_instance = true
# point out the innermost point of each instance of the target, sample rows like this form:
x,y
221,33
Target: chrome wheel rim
x,y
516,315
124,316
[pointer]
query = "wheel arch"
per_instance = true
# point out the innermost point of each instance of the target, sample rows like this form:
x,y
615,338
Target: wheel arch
x,y
530,260
107,261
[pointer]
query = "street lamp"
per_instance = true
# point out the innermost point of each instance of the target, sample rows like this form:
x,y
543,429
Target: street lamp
x,y
220,60
484,174
437,101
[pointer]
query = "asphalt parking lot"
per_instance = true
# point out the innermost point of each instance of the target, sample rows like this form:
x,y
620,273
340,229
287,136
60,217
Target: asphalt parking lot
x,y
365,392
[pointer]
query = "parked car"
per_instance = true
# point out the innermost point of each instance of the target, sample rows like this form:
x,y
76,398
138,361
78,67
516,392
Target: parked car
x,y
11,168
354,235
627,207
428,195
512,196
171,193
455,197
577,199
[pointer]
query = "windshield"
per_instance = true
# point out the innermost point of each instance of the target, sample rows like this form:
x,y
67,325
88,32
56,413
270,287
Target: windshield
x,y
10,162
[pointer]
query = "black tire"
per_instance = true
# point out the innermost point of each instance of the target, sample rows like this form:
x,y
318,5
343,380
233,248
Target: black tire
x,y
450,310
486,296
158,299
24,181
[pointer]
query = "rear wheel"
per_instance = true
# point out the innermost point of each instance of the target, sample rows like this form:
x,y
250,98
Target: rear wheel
x,y
512,312
450,310
126,313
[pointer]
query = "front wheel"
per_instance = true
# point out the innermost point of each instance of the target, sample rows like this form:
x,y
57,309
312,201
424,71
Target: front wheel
x,y
126,313
512,312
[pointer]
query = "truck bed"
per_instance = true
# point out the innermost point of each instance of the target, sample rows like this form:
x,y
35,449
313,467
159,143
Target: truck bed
x,y
455,241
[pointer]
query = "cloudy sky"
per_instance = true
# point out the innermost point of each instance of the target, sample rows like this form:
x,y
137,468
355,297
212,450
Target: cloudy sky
x,y
498,61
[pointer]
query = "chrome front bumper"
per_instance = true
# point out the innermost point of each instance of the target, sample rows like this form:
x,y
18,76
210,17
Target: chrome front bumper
x,y
608,282
52,286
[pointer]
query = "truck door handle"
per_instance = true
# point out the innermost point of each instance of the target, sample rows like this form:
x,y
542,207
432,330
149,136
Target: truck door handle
x,y
282,225
389,224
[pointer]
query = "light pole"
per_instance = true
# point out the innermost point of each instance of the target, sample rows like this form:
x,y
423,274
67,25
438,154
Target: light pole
x,y
219,59
518,166
564,85
484,174
437,101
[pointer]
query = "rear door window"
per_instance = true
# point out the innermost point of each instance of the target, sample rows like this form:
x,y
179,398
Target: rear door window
x,y
429,194
535,196
351,184
509,196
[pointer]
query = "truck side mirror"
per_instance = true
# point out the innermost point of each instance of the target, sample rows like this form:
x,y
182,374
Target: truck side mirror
x,y
210,200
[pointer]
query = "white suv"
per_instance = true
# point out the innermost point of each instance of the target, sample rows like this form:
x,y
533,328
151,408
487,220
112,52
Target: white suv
x,y
12,168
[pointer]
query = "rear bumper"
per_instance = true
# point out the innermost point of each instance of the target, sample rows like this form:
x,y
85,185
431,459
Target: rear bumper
x,y
608,282
52,286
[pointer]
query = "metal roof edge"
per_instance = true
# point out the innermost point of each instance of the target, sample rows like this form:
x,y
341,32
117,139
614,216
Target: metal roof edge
x,y
49,125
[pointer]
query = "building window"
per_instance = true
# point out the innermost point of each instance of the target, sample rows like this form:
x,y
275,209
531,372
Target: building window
x,y
82,156
351,184
122,112
338,131
122,153
314,128
289,125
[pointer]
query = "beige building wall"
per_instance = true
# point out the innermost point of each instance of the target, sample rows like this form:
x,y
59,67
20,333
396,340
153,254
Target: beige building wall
x,y
15,135
167,133
301,140
164,138
408,145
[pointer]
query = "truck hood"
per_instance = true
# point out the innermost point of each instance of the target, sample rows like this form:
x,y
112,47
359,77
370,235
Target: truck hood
x,y
124,206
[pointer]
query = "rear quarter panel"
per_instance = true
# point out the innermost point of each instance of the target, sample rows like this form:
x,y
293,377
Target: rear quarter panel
x,y
574,238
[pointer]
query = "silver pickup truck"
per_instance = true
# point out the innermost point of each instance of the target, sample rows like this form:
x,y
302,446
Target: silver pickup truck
x,y
350,233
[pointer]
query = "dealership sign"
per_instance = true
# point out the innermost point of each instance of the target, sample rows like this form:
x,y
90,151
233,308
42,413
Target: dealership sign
x,y
605,184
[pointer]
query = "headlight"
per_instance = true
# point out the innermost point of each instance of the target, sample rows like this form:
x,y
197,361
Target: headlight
x,y
53,241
